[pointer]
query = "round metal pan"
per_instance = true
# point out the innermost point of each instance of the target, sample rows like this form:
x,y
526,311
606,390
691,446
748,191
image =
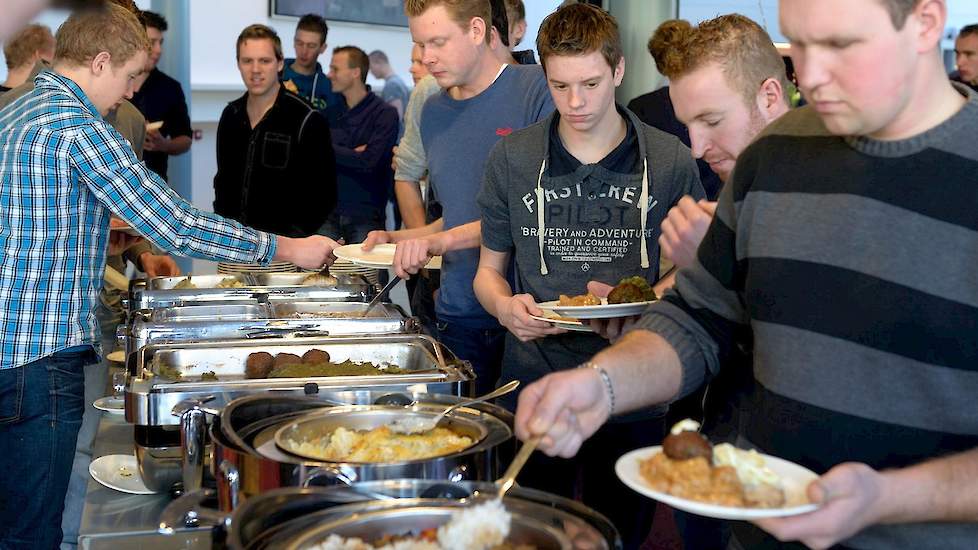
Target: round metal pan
x,y
363,418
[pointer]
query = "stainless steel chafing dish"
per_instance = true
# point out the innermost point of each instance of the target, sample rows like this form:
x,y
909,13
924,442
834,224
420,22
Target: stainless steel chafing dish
x,y
234,312
151,395
282,517
161,292
280,319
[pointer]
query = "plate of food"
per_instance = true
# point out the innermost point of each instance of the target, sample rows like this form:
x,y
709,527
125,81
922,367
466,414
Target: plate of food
x,y
721,481
379,257
115,224
566,323
150,126
629,297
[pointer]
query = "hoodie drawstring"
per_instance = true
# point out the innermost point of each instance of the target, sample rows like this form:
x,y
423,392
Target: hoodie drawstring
x,y
541,223
644,201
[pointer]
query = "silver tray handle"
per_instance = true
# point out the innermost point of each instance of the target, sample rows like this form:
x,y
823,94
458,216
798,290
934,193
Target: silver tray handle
x,y
334,474
189,512
233,479
193,431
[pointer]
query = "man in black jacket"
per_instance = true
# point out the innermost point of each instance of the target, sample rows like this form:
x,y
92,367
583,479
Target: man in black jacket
x,y
275,166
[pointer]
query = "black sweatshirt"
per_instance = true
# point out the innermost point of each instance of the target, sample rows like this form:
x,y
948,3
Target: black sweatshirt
x,y
280,176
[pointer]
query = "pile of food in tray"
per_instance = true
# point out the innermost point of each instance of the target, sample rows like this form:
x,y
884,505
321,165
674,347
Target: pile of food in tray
x,y
691,467
313,363
227,282
381,444
629,290
481,527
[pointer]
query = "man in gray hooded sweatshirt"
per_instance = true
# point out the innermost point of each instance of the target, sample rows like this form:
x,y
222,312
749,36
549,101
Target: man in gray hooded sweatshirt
x,y
579,196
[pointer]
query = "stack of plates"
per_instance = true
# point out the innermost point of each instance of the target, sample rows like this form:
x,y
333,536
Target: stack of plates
x,y
273,267
344,267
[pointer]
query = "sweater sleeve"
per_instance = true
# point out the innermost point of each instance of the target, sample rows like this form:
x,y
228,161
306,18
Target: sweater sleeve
x,y
703,316
411,159
379,142
494,201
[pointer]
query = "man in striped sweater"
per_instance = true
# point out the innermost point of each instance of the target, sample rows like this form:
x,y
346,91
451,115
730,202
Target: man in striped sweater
x,y
846,247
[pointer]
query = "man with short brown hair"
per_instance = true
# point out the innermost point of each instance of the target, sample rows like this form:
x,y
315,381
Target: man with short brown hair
x,y
966,57
55,240
363,138
275,164
303,75
550,193
33,44
864,364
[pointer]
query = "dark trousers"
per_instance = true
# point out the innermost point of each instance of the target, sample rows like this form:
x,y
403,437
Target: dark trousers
x,y
41,407
353,227
590,477
481,347
422,294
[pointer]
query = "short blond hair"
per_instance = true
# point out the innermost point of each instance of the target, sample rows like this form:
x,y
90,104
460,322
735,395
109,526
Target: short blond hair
x,y
20,50
110,28
461,11
736,43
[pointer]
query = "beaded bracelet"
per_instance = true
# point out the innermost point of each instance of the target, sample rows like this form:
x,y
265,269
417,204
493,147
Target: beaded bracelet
x,y
607,384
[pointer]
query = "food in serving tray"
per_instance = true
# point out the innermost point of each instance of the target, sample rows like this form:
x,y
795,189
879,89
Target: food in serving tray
x,y
184,284
313,363
481,527
320,279
631,289
209,376
582,300
690,467
382,445
230,282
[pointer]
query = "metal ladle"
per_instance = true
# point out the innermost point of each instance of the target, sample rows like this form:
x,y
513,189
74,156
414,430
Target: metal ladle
x,y
415,425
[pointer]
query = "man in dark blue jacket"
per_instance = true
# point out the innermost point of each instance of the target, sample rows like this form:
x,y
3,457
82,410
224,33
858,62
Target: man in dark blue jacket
x,y
363,138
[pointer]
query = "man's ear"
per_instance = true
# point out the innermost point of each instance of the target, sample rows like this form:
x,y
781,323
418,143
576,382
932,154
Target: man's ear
x,y
101,62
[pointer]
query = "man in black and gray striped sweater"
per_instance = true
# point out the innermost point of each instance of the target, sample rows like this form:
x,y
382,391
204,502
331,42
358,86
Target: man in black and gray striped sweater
x,y
846,247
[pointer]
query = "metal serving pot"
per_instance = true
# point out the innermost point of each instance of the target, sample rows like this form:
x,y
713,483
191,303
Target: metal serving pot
x,y
246,461
292,517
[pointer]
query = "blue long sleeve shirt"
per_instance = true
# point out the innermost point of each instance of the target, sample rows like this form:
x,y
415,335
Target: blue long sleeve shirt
x,y
364,179
63,170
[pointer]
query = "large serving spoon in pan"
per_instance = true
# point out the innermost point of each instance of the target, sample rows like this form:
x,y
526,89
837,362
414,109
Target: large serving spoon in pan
x,y
416,425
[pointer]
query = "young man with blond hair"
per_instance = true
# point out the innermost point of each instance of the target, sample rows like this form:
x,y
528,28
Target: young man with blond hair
x,y
55,240
864,363
33,44
481,101
549,194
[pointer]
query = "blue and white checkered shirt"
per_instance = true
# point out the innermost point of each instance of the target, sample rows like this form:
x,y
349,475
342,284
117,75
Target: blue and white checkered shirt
x,y
63,169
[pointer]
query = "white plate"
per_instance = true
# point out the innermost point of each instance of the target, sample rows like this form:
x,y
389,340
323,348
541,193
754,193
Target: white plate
x,y
574,326
380,256
150,126
794,477
117,356
604,311
111,404
119,472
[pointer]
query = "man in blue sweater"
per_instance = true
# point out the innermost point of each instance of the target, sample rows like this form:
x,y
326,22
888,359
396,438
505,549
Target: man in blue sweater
x,y
481,101
363,139
303,75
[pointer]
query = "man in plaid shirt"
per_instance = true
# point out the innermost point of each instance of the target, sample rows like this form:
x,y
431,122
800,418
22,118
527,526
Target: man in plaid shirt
x,y
63,170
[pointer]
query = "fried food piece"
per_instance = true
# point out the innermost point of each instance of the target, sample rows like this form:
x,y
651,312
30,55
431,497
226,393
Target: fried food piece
x,y
287,359
631,289
259,364
346,368
582,300
687,445
315,356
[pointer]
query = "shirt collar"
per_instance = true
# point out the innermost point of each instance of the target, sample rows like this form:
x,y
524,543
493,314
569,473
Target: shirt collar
x,y
50,80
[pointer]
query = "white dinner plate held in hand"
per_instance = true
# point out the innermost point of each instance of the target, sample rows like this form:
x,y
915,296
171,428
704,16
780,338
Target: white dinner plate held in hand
x,y
795,480
119,472
379,257
603,311
572,325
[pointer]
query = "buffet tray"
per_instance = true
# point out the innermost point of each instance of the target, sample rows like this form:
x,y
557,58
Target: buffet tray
x,y
153,388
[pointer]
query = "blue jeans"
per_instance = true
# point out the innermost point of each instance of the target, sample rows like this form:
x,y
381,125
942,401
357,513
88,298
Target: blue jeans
x,y
481,347
41,407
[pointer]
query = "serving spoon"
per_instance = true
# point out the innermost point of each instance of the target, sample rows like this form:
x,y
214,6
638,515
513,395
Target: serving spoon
x,y
414,425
